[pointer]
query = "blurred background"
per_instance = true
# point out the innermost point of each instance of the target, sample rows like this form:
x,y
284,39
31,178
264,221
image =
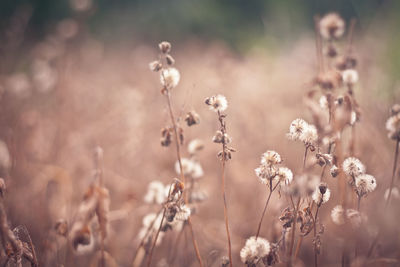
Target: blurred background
x,y
74,75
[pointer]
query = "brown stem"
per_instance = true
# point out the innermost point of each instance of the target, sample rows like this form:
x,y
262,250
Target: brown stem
x,y
305,158
296,209
178,154
315,234
265,209
155,239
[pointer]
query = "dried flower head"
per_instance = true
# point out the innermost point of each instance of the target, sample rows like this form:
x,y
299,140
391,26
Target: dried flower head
x,y
364,184
350,76
190,167
353,167
337,215
165,47
170,77
310,135
217,103
192,118
284,175
321,194
393,126
296,129
329,80
183,213
331,26
270,158
155,193
219,137
334,171
155,65
254,250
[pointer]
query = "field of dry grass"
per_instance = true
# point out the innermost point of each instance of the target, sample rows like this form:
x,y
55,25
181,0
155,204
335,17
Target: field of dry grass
x,y
71,94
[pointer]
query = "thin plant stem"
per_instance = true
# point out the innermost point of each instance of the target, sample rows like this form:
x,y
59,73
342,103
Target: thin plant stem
x,y
155,240
305,158
315,234
294,228
223,130
265,207
178,154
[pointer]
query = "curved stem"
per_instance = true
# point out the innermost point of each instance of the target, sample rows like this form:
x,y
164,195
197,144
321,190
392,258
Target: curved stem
x,y
265,209
315,234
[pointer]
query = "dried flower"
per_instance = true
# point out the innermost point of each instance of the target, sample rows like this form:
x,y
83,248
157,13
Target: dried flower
x,y
334,171
217,103
331,26
284,175
155,65
393,126
192,118
254,250
337,215
165,47
183,213
364,184
350,76
170,77
270,158
321,194
170,60
296,129
310,135
155,193
219,137
353,167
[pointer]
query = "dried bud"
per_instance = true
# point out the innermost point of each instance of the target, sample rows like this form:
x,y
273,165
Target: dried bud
x,y
395,109
165,47
155,66
334,171
331,51
224,261
180,135
192,118
170,60
82,237
322,188
166,136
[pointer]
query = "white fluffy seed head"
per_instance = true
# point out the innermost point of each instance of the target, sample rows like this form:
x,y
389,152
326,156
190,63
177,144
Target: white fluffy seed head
x,y
254,250
331,26
217,103
170,77
353,167
270,158
195,146
365,184
309,135
183,213
296,129
284,175
350,76
337,215
321,194
155,193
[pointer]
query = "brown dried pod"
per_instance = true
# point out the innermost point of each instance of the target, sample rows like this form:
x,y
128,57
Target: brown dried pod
x,y
192,118
61,227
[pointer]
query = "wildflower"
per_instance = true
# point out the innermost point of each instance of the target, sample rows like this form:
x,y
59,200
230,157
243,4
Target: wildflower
x,y
309,136
296,129
321,194
170,77
337,215
155,193
165,47
192,118
331,26
364,184
264,173
334,171
284,175
155,65
254,250
393,126
270,158
217,103
353,167
220,137
195,146
350,76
